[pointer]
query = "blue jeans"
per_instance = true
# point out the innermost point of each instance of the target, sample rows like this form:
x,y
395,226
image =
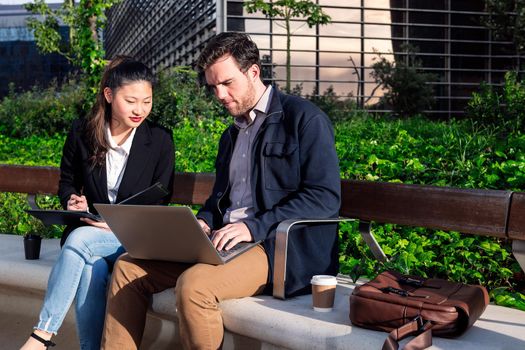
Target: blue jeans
x,y
81,271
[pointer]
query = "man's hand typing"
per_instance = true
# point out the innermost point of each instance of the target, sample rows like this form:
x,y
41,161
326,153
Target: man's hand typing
x,y
231,234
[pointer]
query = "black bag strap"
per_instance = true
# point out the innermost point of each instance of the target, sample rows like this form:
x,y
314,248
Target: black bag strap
x,y
417,327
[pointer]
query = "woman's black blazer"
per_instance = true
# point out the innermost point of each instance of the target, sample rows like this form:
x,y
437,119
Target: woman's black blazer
x,y
151,159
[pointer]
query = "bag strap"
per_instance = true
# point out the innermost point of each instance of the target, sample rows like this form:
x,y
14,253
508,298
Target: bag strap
x,y
421,329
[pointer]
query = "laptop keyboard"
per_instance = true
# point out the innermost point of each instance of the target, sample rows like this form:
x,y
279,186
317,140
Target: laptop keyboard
x,y
225,253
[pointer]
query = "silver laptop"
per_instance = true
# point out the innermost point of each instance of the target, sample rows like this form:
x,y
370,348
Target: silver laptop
x,y
165,233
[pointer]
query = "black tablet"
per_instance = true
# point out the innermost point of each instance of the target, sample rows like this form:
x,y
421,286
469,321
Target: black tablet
x,y
151,195
61,217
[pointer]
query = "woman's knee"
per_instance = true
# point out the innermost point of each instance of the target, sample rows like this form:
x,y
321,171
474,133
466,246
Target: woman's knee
x,y
79,237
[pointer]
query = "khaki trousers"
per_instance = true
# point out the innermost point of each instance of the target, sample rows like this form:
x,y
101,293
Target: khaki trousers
x,y
198,290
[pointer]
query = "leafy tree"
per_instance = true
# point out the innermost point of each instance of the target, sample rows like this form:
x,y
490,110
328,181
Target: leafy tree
x,y
287,10
85,20
507,21
407,91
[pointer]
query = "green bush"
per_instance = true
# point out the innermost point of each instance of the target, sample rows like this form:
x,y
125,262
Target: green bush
x,y
177,97
501,107
14,219
337,108
470,259
452,153
32,150
50,111
196,143
407,90
461,154
43,112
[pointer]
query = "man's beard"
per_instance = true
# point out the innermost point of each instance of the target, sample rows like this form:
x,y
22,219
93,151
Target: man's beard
x,y
245,103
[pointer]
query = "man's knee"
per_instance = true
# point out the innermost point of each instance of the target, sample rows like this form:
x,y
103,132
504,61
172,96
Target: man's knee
x,y
99,271
193,287
125,270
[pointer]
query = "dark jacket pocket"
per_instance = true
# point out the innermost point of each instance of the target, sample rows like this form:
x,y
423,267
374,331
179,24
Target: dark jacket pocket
x,y
281,166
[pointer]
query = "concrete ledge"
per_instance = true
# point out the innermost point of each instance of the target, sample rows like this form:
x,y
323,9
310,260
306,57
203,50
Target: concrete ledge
x,y
262,322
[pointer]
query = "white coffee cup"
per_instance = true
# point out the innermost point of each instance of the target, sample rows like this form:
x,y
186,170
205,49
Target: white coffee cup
x,y
323,292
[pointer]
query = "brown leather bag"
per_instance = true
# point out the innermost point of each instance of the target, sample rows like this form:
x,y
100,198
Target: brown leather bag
x,y
414,306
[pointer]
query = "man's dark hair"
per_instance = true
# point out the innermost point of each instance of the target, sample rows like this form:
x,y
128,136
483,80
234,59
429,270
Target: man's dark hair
x,y
239,45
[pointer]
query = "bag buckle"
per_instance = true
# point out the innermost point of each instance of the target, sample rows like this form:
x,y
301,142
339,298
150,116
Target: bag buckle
x,y
397,291
421,323
411,281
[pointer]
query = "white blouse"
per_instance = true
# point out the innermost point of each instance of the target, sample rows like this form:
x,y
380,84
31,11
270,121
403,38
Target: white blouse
x,y
116,160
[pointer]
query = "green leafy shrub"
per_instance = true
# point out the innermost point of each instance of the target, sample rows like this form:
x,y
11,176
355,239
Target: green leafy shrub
x,y
454,153
337,108
42,112
14,219
501,107
196,143
502,296
451,153
50,111
32,150
407,90
177,97
450,255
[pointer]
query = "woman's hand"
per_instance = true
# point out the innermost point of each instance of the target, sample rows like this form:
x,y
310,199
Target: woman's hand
x,y
100,224
78,203
204,226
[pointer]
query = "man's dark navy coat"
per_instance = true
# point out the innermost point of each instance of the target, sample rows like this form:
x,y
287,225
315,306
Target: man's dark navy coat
x,y
295,174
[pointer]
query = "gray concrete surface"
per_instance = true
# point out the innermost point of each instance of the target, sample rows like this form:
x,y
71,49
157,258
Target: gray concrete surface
x,y
252,323
19,313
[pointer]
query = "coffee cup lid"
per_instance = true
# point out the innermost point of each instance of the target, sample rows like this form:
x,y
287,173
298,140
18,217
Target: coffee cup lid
x,y
323,280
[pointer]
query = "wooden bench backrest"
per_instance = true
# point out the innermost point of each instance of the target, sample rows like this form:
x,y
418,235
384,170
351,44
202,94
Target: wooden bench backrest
x,y
192,188
188,188
29,179
516,222
482,212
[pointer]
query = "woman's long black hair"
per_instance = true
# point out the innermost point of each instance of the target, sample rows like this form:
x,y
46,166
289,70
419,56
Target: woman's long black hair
x,y
120,71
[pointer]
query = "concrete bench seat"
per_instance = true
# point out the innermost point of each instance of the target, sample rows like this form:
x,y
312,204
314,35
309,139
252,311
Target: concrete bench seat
x,y
260,322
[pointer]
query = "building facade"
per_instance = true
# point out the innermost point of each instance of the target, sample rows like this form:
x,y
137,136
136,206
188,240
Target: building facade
x,y
160,33
21,64
450,40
